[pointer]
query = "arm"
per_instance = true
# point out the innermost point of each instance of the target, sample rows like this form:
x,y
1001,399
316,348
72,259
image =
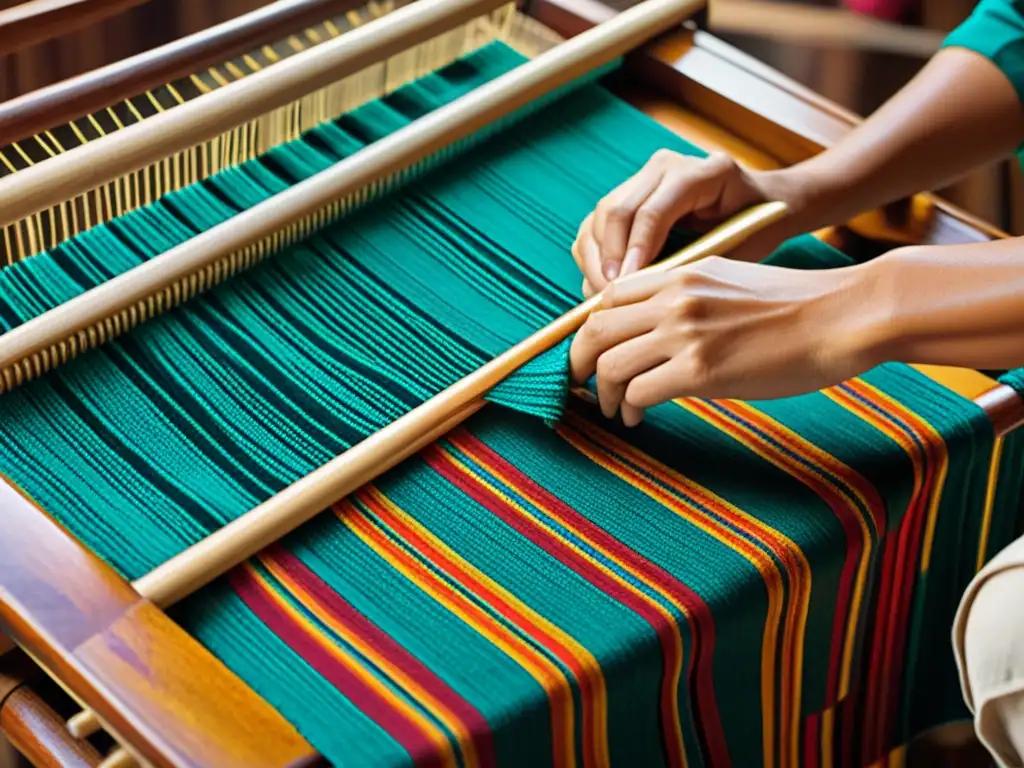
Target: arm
x,y
962,110
958,113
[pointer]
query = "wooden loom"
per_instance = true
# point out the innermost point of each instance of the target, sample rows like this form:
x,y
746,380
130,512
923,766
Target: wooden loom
x,y
155,690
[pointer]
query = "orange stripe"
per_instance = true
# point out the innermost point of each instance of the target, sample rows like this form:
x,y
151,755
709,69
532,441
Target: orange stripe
x,y
565,647
761,561
547,674
856,489
677,649
435,735
929,447
423,696
990,498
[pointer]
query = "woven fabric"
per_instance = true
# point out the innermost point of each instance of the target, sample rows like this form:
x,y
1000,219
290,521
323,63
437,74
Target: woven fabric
x,y
729,584
1015,379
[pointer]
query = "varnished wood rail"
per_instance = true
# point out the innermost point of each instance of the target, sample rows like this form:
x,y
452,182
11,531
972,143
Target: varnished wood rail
x,y
60,103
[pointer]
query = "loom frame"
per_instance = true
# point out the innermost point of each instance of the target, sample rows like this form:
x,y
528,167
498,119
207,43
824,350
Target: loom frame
x,y
78,621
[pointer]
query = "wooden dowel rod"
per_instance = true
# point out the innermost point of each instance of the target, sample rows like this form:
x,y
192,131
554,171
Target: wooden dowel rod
x,y
54,105
246,536
119,758
37,21
36,731
360,464
58,179
439,129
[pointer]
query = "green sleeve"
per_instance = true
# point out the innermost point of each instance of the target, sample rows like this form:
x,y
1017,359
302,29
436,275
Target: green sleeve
x,y
996,31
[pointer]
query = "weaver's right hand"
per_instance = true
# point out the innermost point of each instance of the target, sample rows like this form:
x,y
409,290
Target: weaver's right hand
x,y
631,223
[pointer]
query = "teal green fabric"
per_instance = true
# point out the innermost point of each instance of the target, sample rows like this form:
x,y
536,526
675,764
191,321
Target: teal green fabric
x,y
995,30
572,593
1014,379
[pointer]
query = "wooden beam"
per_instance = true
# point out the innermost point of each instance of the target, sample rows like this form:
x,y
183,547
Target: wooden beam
x,y
152,685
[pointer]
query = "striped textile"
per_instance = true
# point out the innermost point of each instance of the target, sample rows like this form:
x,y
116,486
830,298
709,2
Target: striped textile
x,y
748,584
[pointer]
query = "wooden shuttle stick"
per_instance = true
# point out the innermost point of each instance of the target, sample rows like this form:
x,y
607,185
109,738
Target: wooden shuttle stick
x,y
386,157
137,146
360,464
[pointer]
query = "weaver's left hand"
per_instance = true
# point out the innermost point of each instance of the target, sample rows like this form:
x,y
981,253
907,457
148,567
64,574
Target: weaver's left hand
x,y
722,329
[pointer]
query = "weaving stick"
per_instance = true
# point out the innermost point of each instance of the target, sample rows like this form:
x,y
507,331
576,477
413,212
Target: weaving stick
x,y
363,462
275,518
29,347
137,146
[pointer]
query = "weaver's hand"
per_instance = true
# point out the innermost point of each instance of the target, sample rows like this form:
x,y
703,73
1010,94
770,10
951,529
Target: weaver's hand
x,y
631,223
722,328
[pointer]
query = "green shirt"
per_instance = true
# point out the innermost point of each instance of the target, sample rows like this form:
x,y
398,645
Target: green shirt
x,y
996,31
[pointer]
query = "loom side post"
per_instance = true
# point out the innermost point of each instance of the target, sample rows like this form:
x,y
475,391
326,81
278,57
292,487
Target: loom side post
x,y
155,688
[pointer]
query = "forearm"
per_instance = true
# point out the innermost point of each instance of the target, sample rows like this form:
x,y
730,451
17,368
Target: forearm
x,y
960,305
959,113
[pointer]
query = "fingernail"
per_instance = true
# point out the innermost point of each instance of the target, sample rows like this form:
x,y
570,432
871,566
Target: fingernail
x,y
631,417
632,261
611,270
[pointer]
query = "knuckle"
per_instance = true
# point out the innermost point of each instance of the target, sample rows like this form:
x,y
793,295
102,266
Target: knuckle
x,y
618,212
647,217
722,162
664,156
688,307
609,369
596,327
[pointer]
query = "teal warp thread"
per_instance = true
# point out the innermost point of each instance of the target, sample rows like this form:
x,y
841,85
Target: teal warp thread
x,y
1015,379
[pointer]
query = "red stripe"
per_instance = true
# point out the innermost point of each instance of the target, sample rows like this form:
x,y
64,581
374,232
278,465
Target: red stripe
x,y
854,549
703,640
388,648
369,702
900,567
509,612
812,740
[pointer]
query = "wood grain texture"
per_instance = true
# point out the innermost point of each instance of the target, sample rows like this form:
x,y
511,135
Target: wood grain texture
x,y
35,21
155,687
59,103
31,725
36,731
785,121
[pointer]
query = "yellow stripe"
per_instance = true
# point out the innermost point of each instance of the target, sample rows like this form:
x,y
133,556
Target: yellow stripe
x,y
523,512
397,674
816,456
586,660
433,733
539,667
764,564
990,498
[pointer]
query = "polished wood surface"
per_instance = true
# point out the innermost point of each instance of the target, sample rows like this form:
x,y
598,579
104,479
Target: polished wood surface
x,y
32,726
142,28
39,110
154,687
32,22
